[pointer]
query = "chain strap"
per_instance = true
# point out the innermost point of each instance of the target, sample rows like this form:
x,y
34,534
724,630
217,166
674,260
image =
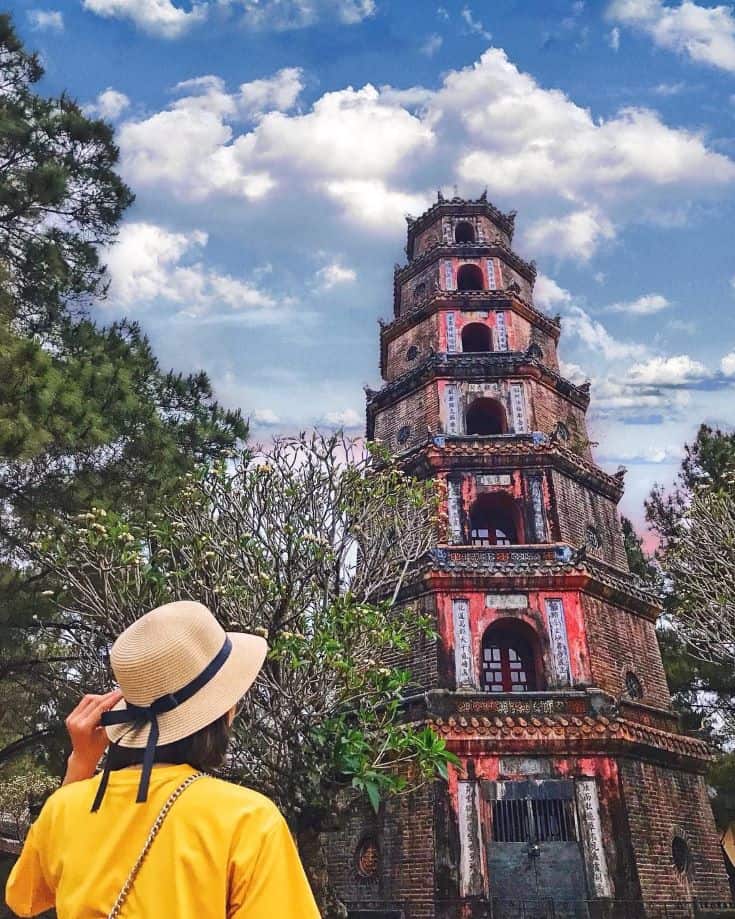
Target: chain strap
x,y
127,886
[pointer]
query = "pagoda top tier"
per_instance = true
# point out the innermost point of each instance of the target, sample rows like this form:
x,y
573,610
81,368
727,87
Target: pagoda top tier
x,y
458,207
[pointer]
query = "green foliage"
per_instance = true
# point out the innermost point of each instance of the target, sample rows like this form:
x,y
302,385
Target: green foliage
x,y
280,544
60,197
638,561
87,415
703,691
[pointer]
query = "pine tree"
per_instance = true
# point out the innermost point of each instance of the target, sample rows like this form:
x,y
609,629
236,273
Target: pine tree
x,y
87,415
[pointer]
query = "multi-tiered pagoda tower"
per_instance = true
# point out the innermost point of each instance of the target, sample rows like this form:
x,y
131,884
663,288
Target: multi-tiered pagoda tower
x,y
546,679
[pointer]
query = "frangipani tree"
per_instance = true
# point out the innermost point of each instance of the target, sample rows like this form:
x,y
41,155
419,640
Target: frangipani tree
x,y
309,544
700,561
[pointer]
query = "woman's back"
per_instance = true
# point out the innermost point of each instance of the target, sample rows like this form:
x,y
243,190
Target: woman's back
x,y
223,851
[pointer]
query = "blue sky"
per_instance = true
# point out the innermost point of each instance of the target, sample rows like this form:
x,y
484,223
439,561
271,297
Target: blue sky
x,y
275,147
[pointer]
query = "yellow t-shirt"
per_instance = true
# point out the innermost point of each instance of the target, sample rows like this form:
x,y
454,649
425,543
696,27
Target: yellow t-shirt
x,y
223,852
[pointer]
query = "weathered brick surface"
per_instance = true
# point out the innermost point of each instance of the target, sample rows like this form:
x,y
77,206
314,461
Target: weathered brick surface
x,y
430,335
548,408
432,276
442,230
404,830
424,337
661,803
576,508
619,641
419,412
422,658
573,638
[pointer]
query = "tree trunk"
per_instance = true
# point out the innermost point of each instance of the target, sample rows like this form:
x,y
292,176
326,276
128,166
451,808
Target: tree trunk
x,y
313,856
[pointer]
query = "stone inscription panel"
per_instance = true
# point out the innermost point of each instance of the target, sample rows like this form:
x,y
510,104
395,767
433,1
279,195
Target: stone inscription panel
x,y
589,814
506,601
501,332
453,518
451,396
513,707
451,333
470,860
558,641
463,663
493,479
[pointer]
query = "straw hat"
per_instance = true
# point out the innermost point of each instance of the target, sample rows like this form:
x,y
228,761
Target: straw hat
x,y
163,652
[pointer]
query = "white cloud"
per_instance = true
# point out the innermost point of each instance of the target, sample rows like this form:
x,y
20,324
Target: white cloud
x,y
279,92
266,417
350,140
642,306
548,294
333,274
642,454
595,336
298,14
576,235
347,418
669,89
727,364
369,152
573,372
678,370
46,20
109,104
474,25
705,34
432,44
372,203
149,264
614,38
158,17
522,139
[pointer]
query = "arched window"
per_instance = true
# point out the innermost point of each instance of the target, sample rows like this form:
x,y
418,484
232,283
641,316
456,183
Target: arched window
x,y
486,416
476,337
464,232
469,277
495,521
509,655
535,352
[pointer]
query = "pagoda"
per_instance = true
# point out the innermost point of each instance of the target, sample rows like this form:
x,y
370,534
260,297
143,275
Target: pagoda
x,y
577,792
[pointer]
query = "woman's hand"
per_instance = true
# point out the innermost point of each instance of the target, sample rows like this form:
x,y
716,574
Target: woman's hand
x,y
88,738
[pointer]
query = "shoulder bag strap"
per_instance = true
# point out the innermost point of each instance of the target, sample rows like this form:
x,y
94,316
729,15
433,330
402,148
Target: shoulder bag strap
x,y
128,885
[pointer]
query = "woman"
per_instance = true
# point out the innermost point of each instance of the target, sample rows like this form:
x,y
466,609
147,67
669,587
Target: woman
x,y
152,836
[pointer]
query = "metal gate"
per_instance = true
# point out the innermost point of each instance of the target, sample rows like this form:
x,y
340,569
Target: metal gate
x,y
534,853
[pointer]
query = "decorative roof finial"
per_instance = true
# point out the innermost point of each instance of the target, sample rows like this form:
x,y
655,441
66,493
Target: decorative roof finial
x,y
483,197
440,196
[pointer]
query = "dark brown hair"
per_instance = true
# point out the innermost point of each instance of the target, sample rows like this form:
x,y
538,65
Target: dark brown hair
x,y
204,750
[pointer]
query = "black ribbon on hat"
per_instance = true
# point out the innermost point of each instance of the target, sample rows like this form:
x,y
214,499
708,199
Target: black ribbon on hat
x,y
140,715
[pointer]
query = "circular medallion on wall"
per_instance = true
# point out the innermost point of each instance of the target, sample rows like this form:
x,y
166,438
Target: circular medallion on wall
x,y
367,857
412,353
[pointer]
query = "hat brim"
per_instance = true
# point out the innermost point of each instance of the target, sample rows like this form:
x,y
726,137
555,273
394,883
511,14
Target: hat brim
x,y
213,700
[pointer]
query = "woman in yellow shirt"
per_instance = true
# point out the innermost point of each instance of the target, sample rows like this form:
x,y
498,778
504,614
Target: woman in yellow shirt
x,y
220,851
